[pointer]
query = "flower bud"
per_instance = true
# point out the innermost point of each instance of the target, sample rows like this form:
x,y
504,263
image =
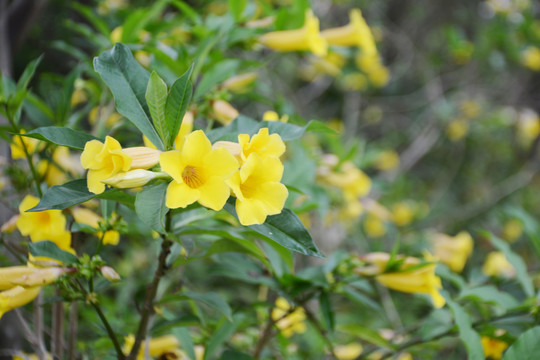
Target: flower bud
x,y
109,274
8,274
224,112
142,157
234,148
240,83
131,179
40,277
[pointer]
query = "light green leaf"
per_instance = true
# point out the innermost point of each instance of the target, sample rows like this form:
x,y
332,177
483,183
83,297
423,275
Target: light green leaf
x,y
470,338
75,192
150,206
237,8
51,250
128,81
156,98
516,261
220,72
526,347
61,136
177,104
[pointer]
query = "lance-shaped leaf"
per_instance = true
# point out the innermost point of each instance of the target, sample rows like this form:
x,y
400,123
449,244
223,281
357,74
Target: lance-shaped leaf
x,y
61,136
156,98
177,104
150,206
128,81
51,250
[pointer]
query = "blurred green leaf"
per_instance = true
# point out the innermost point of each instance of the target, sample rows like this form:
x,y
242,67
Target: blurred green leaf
x,y
150,206
327,310
365,333
235,355
218,73
51,250
28,74
470,338
491,294
237,8
61,136
177,104
128,82
526,347
223,331
211,299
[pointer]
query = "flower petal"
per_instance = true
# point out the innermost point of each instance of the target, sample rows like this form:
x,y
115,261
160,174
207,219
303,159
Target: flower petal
x,y
220,162
273,196
214,193
196,147
180,195
88,157
171,163
250,212
94,180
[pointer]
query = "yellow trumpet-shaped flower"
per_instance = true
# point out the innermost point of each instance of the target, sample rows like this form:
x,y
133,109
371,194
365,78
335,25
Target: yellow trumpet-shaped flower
x,y
374,226
142,157
493,348
305,38
420,280
90,218
402,213
262,144
453,251
496,264
19,143
156,347
356,33
350,179
258,190
132,179
41,277
289,322
43,225
103,160
17,297
9,274
199,173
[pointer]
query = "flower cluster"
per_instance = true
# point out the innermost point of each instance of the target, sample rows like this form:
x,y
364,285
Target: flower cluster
x,y
288,319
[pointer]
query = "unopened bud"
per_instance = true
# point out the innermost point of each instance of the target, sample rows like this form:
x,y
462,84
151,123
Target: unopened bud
x,y
131,179
224,112
109,274
234,148
41,277
142,157
239,83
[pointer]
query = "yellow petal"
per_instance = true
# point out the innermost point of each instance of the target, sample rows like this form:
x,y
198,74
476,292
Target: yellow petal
x,y
273,196
88,157
94,178
172,163
250,212
180,195
8,274
220,162
214,193
196,147
111,237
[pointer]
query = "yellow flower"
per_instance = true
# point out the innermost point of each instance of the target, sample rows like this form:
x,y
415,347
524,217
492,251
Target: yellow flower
x,y
43,225
55,172
372,66
17,297
90,218
143,58
103,160
331,65
288,322
497,265
493,348
258,190
305,38
8,274
97,113
351,180
387,160
528,126
273,116
512,230
156,347
199,173
24,356
17,147
224,112
420,280
240,83
79,96
356,33
531,58
142,157
348,352
374,226
453,251
109,273
41,277
457,129
402,213
262,144
132,179
470,109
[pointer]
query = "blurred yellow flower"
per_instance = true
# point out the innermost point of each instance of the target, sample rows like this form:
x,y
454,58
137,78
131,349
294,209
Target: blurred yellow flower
x,y
78,97
531,58
273,116
90,218
97,112
43,225
348,352
143,57
24,356
157,347
402,213
453,251
493,348
103,160
258,190
17,297
512,230
354,82
356,33
8,274
305,38
262,144
350,179
19,143
470,109
420,280
457,129
374,69
199,173
528,126
55,175
288,322
240,83
331,64
387,160
496,264
224,112
374,226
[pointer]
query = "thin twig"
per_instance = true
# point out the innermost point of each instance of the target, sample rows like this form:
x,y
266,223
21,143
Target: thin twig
x,y
57,333
73,329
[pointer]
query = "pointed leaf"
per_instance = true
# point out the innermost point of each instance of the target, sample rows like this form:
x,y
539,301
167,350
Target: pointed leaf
x,y
61,136
128,81
156,97
177,104
51,250
28,73
150,207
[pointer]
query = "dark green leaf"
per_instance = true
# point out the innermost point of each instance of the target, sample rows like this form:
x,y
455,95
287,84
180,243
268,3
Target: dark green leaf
x,y
223,330
28,73
128,82
177,104
156,98
61,136
526,347
51,250
211,299
470,338
150,206
327,312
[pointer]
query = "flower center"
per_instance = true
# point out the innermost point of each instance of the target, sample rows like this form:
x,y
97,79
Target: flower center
x,y
192,177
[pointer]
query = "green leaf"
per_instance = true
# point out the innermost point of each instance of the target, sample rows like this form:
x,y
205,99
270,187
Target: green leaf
x,y
75,192
223,330
516,261
327,311
365,333
150,206
220,72
128,81
235,355
28,73
156,98
286,229
237,8
177,104
491,294
470,338
51,250
61,136
526,347
211,299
